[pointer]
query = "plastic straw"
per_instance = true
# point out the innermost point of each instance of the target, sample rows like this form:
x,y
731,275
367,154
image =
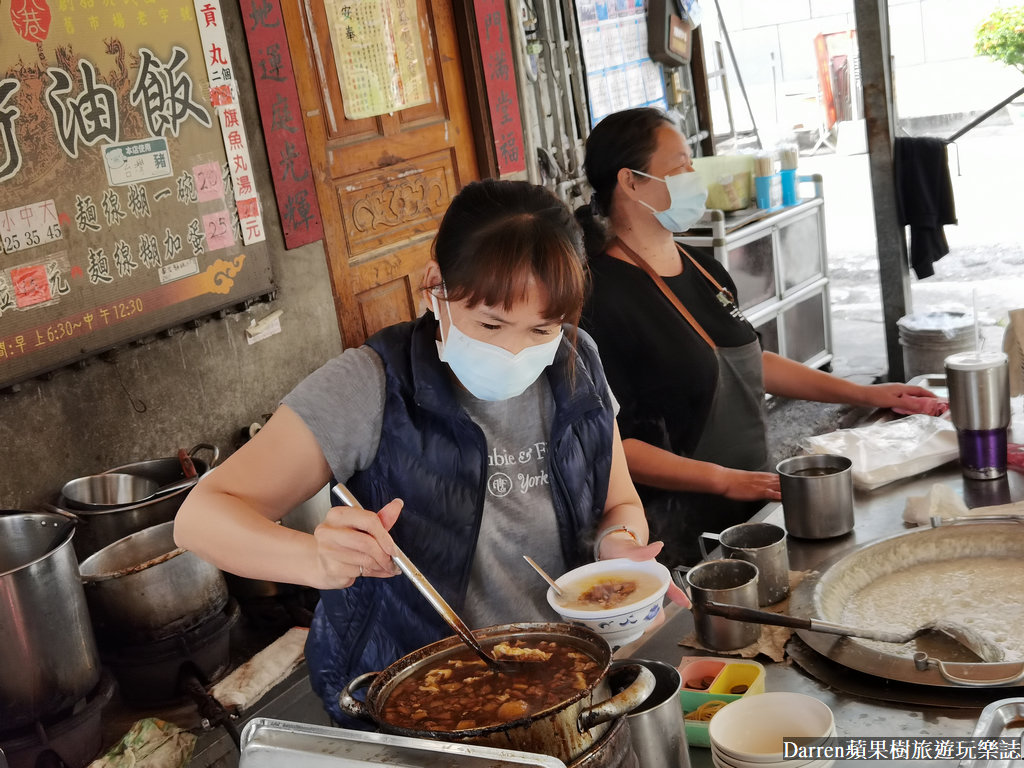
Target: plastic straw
x,y
974,310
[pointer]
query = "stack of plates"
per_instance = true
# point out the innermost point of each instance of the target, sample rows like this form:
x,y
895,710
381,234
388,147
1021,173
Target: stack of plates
x,y
748,732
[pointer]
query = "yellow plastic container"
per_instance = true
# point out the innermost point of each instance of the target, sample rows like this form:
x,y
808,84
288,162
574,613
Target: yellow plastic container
x,y
729,180
728,674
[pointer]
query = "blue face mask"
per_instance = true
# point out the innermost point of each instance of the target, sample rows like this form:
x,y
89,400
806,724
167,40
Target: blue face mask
x,y
687,196
488,371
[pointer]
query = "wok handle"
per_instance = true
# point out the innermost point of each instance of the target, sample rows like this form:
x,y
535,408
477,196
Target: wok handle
x,y
349,704
922,661
213,449
741,613
622,703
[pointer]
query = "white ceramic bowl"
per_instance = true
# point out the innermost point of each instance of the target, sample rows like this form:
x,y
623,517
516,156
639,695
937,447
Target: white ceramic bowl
x,y
623,623
728,761
750,729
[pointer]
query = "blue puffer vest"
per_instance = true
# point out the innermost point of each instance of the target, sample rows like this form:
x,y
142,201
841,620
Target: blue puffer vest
x,y
434,458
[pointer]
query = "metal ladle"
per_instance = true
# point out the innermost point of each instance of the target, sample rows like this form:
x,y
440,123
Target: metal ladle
x,y
507,666
963,639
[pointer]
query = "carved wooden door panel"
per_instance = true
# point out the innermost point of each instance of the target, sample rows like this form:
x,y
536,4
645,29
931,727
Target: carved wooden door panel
x,y
383,182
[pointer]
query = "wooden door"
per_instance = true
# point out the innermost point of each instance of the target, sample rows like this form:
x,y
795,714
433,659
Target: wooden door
x,y
383,182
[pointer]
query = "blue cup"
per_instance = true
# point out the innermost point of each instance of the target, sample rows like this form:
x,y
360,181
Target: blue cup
x,y
789,194
763,189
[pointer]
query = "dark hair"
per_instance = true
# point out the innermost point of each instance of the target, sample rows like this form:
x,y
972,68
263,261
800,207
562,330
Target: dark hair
x,y
498,235
625,139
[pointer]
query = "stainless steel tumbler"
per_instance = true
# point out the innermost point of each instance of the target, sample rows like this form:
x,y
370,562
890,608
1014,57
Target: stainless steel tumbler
x,y
979,403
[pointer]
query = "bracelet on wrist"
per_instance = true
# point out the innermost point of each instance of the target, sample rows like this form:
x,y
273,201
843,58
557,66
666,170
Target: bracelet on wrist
x,y
608,532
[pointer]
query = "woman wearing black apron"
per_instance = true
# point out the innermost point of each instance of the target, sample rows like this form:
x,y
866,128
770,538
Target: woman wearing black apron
x,y
685,365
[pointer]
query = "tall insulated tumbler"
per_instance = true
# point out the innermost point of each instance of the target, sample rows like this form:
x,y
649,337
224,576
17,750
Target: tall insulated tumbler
x,y
979,402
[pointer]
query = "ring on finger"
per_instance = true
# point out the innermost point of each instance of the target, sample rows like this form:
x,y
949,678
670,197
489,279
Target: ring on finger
x,y
360,570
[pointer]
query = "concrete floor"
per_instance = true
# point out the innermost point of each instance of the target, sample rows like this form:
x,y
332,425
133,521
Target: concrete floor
x,y
985,265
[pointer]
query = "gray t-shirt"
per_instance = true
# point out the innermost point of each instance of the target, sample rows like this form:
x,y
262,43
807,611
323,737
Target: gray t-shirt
x,y
342,403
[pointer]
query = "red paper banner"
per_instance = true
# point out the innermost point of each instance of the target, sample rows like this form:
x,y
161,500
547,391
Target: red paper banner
x,y
500,78
281,116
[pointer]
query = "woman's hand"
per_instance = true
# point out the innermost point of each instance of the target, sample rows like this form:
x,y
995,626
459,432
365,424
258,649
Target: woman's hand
x,y
905,399
621,544
355,542
740,485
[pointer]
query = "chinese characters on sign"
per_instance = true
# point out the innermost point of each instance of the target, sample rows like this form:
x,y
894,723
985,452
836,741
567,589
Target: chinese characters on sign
x,y
620,74
499,75
379,55
118,217
282,122
224,95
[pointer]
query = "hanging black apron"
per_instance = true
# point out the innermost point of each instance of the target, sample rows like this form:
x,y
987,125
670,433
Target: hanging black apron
x,y
734,436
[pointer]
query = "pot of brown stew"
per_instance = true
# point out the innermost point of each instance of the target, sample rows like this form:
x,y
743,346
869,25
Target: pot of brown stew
x,y
560,704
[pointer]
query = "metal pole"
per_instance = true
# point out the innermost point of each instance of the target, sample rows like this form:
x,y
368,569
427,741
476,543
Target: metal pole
x,y
872,19
739,76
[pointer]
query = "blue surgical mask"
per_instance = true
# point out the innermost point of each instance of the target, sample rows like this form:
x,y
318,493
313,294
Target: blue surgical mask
x,y
488,371
687,196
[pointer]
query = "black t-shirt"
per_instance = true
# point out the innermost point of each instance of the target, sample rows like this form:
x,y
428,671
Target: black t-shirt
x,y
662,372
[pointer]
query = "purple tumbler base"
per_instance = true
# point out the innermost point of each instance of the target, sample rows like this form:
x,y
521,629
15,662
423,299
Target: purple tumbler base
x,y
982,453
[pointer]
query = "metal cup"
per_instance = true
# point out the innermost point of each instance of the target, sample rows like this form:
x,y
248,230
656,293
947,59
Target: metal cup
x,y
979,403
723,581
817,495
656,727
764,545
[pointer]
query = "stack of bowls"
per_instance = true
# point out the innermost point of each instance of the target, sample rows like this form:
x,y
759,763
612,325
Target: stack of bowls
x,y
748,732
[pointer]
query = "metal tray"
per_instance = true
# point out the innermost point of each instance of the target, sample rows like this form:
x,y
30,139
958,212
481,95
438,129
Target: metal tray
x,y
281,744
993,723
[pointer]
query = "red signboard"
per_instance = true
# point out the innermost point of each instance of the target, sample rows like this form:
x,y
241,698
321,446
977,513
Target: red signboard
x,y
281,116
500,78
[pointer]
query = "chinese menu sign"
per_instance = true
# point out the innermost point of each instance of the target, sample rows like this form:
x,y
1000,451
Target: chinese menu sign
x,y
620,74
281,116
379,55
127,202
499,76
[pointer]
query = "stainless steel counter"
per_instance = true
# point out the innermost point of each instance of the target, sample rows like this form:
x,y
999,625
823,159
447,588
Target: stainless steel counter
x,y
879,513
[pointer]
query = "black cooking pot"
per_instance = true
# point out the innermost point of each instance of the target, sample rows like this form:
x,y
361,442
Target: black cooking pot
x,y
564,731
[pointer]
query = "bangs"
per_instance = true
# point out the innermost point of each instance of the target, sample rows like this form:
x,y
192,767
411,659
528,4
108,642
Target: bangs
x,y
524,251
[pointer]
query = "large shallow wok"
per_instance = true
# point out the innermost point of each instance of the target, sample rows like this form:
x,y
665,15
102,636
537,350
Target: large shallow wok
x,y
824,594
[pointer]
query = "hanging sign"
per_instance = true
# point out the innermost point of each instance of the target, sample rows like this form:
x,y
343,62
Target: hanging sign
x,y
224,96
379,55
115,218
500,79
282,124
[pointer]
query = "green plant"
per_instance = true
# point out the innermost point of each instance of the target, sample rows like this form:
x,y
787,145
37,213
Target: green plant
x,y
1001,36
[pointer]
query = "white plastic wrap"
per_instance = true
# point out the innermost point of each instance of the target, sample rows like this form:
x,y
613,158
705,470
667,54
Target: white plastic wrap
x,y
891,450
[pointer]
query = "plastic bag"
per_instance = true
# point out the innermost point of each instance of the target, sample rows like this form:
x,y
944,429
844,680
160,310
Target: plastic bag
x,y
891,450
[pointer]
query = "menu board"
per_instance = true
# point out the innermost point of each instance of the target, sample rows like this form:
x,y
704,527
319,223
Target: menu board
x,y
620,74
379,55
128,200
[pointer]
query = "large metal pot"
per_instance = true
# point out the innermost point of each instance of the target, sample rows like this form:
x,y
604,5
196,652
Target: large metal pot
x,y
564,731
824,594
48,657
143,588
103,525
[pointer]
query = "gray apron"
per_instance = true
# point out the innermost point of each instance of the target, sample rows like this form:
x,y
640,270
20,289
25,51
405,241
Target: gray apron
x,y
734,436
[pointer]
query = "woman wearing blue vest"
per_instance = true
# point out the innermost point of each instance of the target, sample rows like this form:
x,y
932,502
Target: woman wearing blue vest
x,y
479,432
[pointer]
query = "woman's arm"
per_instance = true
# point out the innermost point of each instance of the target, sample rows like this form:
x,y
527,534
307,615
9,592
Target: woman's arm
x,y
659,468
789,378
230,517
623,507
